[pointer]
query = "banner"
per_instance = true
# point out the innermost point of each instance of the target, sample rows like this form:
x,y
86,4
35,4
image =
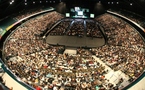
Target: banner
x,y
2,32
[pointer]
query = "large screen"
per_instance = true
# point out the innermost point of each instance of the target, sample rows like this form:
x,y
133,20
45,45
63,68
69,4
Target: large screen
x,y
79,12
67,14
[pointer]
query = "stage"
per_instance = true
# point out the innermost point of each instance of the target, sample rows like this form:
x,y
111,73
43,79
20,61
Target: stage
x,y
75,41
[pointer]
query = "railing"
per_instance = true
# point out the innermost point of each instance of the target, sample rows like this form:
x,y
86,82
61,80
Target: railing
x,y
13,76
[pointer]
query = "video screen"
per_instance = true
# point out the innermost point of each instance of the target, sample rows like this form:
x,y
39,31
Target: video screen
x,y
67,14
79,12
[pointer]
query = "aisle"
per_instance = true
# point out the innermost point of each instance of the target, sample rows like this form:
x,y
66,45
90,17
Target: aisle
x,y
11,83
114,76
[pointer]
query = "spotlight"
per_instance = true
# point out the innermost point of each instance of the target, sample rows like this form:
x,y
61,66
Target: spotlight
x,y
99,1
11,3
130,4
25,3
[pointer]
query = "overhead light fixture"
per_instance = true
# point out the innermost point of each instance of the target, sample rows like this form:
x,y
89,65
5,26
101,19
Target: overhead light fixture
x,y
25,3
130,4
99,1
11,2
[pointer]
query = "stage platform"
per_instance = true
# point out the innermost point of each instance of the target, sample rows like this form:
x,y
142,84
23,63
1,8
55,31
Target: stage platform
x,y
75,41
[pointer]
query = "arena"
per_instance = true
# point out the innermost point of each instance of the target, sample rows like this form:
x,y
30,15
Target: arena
x,y
46,50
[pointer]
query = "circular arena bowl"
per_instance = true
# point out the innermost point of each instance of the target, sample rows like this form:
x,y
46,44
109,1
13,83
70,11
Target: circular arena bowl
x,y
53,52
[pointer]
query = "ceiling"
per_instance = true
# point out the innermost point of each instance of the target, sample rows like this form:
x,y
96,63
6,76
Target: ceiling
x,y
8,7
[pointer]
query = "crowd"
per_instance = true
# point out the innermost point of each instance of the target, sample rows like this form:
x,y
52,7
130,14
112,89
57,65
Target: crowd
x,y
50,70
120,33
26,38
44,66
125,49
92,29
24,13
75,27
61,28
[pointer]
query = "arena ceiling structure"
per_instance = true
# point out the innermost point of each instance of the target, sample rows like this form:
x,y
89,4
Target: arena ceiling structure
x,y
8,7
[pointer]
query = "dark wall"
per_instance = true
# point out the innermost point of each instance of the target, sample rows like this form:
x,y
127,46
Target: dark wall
x,y
7,9
137,5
